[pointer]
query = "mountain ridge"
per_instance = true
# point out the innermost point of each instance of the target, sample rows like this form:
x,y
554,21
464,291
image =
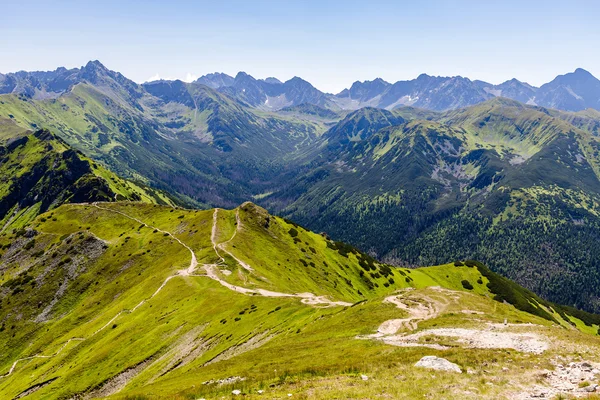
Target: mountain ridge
x,y
574,91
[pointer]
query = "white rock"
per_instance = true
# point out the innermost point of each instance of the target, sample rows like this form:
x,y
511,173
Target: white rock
x,y
590,388
289,395
236,392
261,391
437,363
364,377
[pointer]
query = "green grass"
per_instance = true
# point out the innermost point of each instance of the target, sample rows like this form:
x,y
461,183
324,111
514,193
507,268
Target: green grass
x,y
42,172
195,330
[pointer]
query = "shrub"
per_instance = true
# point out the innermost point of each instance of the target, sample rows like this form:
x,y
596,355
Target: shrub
x,y
293,232
458,264
466,284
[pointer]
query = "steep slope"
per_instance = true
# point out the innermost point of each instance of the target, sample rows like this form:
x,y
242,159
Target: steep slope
x,y
41,172
134,300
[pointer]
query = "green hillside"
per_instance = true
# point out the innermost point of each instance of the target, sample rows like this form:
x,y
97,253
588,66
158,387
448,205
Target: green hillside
x,y
201,146
412,187
42,172
131,300
500,182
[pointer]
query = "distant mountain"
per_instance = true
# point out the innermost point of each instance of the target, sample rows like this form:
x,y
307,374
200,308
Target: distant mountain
x,y
215,80
433,93
364,91
272,80
571,92
575,91
51,84
272,94
512,89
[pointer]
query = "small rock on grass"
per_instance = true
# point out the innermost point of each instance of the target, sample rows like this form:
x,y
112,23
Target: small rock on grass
x,y
364,377
590,388
438,364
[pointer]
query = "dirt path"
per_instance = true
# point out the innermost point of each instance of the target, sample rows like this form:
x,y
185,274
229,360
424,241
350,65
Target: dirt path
x,y
184,272
12,368
211,272
427,306
221,246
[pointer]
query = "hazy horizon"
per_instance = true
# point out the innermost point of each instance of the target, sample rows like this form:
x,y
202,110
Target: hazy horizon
x,y
330,44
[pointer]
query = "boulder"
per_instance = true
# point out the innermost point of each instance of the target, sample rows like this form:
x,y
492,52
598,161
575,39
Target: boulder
x,y
438,364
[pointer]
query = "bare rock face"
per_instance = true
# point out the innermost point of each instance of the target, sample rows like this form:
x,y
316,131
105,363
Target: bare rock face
x,y
437,363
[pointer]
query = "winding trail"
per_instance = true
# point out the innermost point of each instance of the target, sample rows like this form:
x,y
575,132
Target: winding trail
x,y
221,245
418,310
12,368
211,272
184,272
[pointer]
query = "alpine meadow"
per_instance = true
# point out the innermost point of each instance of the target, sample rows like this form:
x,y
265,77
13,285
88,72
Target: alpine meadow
x,y
225,236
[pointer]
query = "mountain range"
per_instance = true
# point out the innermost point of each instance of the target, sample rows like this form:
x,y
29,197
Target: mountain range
x,y
410,186
159,240
573,91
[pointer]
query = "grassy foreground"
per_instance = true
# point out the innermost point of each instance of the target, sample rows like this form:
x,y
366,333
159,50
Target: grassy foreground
x,y
106,300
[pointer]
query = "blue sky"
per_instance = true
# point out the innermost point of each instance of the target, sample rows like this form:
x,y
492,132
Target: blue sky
x,y
329,43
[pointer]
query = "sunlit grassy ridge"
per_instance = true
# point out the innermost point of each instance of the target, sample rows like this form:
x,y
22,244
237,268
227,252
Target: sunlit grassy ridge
x,y
104,293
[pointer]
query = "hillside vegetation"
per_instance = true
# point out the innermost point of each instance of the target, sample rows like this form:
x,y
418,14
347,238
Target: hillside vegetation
x,y
41,172
501,182
133,300
512,185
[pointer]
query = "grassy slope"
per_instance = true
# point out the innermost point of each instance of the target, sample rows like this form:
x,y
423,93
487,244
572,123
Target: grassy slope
x,y
107,262
43,172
